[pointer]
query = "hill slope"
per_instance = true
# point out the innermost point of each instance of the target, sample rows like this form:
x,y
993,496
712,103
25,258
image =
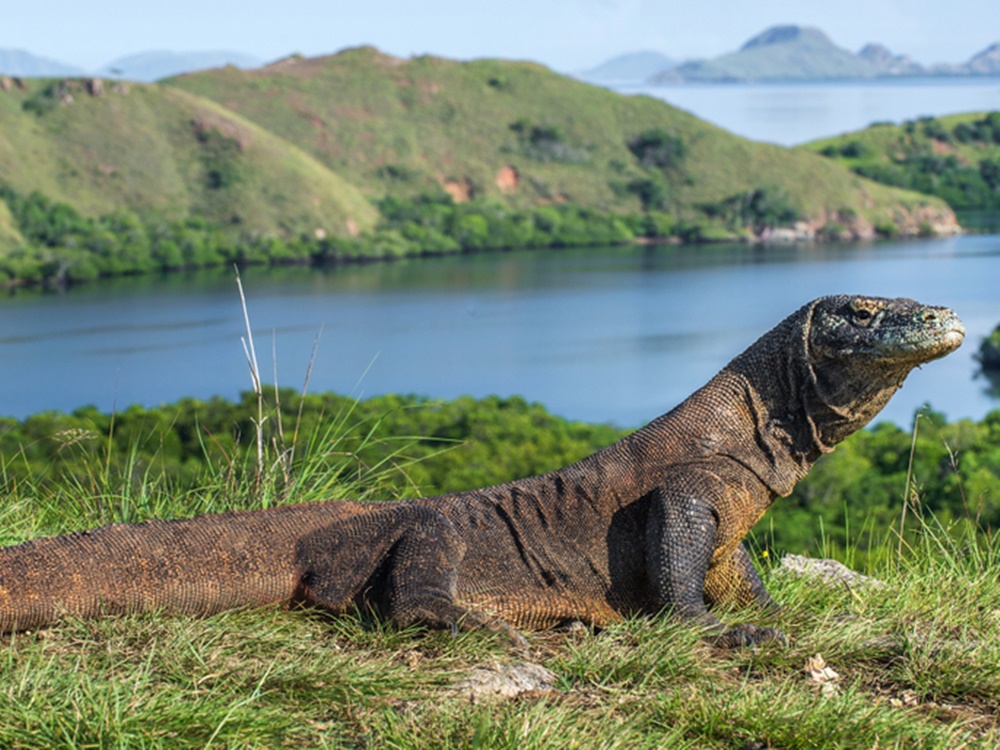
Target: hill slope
x,y
526,136
102,147
956,158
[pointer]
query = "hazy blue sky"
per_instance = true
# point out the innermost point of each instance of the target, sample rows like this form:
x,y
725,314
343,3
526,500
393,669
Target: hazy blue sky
x,y
565,34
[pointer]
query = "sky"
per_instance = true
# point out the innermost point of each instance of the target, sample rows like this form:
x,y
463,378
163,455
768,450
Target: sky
x,y
567,35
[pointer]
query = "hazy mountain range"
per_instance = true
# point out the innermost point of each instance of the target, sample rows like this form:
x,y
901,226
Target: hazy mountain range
x,y
786,53
19,62
144,66
634,66
780,53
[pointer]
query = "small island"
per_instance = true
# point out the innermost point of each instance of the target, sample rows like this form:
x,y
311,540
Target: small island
x,y
788,53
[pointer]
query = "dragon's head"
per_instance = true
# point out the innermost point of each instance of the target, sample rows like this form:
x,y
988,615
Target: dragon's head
x,y
860,350
878,334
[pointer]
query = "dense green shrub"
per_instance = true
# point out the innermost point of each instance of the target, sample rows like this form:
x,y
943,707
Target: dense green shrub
x,y
657,148
985,130
219,155
852,150
547,143
652,192
962,186
760,208
65,247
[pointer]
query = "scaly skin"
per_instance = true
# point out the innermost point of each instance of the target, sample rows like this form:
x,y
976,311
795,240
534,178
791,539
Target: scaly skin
x,y
653,523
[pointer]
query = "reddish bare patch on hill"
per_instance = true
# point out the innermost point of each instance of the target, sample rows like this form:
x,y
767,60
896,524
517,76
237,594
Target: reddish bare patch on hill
x,y
507,179
459,190
939,147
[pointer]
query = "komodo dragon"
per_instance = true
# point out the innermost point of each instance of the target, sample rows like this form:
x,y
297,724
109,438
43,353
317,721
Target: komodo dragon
x,y
652,523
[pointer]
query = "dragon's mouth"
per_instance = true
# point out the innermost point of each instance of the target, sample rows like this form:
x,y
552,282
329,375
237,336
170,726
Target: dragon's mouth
x,y
945,342
954,338
953,335
941,338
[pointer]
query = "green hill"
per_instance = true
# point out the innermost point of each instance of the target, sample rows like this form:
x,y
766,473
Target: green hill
x,y
156,150
524,135
364,155
956,158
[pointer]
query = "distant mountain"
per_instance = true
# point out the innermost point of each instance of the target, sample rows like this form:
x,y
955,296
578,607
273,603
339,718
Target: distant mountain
x,y
17,62
799,53
889,64
635,67
781,53
157,64
986,62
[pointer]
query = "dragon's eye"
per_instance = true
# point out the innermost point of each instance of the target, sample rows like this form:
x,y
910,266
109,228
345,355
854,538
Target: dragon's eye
x,y
862,313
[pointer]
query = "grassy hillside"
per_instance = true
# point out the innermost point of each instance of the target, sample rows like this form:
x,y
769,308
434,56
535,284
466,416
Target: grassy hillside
x,y
519,133
362,155
956,158
161,151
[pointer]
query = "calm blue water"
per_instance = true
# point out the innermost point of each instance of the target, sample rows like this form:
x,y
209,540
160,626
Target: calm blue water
x,y
618,335
792,113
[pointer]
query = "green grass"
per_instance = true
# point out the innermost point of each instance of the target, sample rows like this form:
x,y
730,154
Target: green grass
x,y
917,658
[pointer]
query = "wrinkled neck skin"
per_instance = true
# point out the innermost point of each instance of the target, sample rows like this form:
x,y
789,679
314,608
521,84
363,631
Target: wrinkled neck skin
x,y
851,396
801,407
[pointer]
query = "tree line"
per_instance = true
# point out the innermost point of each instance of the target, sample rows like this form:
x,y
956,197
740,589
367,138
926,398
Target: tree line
x,y
62,246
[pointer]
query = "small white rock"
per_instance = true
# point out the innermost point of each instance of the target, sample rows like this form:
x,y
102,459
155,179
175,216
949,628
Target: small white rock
x,y
505,681
829,572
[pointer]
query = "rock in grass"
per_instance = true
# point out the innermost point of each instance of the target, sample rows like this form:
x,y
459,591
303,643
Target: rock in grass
x,y
820,676
829,572
502,681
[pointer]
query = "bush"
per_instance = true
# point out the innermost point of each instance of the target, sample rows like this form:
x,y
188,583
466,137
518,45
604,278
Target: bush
x,y
547,143
857,150
932,128
764,207
833,230
652,192
657,148
658,224
886,228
